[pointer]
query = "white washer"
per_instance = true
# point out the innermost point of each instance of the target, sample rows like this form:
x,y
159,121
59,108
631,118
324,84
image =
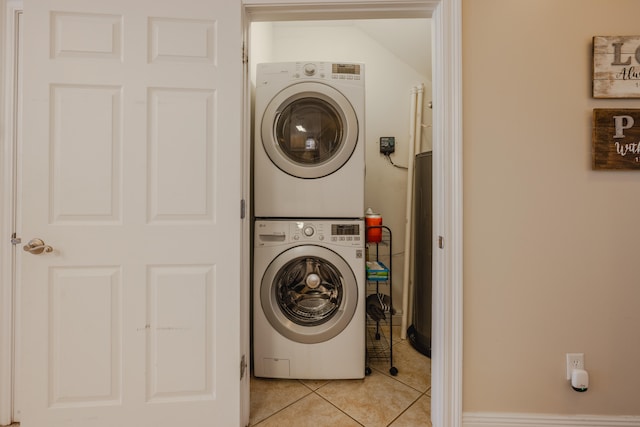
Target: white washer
x,y
309,140
308,299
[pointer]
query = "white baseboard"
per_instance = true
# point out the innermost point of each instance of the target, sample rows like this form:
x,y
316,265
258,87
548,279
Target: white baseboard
x,y
498,419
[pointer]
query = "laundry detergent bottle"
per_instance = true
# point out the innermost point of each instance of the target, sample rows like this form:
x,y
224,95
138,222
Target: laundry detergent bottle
x,y
373,221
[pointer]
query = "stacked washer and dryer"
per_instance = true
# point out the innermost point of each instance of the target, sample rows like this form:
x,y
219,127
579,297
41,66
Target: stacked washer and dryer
x,y
309,236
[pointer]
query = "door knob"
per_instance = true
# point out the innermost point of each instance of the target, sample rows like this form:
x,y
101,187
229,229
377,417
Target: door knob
x,y
36,246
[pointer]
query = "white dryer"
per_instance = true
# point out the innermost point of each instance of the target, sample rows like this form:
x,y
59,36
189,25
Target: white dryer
x,y
308,299
309,140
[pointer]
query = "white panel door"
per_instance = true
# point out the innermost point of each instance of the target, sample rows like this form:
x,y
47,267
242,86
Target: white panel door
x,y
131,173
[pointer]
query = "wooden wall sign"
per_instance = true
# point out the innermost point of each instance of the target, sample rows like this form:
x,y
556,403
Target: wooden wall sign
x,y
616,138
616,67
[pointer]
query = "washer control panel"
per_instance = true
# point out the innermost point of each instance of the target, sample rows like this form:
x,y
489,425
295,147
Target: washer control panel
x,y
277,232
307,231
348,233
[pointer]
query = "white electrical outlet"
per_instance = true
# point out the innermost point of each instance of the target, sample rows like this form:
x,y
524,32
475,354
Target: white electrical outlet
x,y
574,361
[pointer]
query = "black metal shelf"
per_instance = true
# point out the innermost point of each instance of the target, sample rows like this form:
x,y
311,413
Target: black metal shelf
x,y
379,299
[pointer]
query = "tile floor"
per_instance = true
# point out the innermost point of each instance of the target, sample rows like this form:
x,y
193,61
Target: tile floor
x,y
379,400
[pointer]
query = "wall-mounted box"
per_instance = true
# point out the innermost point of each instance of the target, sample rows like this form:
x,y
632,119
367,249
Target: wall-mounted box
x,y
387,144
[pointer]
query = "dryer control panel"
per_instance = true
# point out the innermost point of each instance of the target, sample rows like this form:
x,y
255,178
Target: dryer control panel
x,y
328,70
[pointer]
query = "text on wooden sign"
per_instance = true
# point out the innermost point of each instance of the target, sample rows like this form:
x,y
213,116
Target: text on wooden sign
x,y
616,139
616,67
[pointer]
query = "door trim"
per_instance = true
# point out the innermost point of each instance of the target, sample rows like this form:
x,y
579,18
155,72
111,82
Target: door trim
x,y
8,121
447,339
446,377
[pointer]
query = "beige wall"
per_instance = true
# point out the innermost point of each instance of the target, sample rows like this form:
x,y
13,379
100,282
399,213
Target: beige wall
x,y
551,248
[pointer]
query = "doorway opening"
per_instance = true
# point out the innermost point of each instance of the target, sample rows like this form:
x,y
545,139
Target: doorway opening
x,y
396,57
447,147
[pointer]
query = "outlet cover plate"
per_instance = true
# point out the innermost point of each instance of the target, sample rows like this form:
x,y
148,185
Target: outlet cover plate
x,y
574,361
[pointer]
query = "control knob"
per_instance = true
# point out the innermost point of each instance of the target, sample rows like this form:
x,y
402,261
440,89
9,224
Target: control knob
x,y
309,69
308,231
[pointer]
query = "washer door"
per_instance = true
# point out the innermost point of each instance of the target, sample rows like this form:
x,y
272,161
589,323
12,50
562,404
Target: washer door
x,y
309,294
309,130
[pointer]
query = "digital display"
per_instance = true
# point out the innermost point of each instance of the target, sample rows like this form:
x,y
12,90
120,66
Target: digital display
x,y
345,69
345,229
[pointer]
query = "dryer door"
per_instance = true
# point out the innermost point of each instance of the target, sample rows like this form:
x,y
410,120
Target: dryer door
x,y
309,294
309,130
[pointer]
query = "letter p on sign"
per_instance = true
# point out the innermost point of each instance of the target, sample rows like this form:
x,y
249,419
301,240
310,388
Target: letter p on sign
x,y
622,123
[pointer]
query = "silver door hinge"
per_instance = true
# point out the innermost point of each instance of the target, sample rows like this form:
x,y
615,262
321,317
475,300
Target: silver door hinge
x,y
15,240
243,367
243,209
441,242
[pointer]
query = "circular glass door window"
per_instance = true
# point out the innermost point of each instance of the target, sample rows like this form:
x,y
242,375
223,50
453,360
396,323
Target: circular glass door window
x,y
309,130
309,290
308,296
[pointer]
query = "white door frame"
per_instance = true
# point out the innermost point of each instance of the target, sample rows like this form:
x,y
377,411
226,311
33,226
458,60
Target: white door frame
x,y
8,128
446,377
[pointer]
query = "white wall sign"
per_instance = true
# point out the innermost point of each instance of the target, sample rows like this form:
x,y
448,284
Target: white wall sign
x,y
616,67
